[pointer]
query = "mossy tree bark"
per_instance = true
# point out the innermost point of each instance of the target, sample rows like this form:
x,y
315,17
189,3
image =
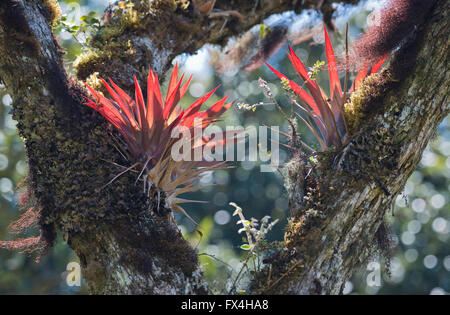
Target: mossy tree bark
x,y
122,245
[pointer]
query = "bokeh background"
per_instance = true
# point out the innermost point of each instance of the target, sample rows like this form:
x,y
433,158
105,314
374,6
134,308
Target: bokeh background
x,y
420,224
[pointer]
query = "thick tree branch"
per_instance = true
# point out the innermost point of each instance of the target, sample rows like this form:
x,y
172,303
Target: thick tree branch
x,y
152,33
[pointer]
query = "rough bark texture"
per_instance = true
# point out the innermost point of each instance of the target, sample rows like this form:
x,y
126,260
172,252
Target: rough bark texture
x,y
122,245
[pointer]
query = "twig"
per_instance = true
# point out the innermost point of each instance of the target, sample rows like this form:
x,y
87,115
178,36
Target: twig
x,y
120,174
233,287
218,259
234,13
346,82
282,276
270,276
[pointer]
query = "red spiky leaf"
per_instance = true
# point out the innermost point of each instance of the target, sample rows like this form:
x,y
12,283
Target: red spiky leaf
x,y
335,83
147,127
327,113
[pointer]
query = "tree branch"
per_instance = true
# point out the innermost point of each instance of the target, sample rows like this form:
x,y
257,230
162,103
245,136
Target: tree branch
x,y
152,33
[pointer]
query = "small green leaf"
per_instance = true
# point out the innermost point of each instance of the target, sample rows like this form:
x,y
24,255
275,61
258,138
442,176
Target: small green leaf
x,y
264,30
245,247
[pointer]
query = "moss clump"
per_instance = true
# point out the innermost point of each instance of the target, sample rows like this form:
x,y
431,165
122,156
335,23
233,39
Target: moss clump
x,y
53,7
128,19
95,57
294,228
357,108
353,115
105,45
167,5
86,57
94,82
89,60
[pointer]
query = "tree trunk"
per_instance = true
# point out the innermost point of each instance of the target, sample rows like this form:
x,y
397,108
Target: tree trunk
x,y
124,246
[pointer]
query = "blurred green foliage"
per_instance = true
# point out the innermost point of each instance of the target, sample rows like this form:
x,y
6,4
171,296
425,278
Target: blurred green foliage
x,y
420,219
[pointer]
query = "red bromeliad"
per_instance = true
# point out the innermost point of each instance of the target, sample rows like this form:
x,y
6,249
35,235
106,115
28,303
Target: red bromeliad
x,y
147,129
327,113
